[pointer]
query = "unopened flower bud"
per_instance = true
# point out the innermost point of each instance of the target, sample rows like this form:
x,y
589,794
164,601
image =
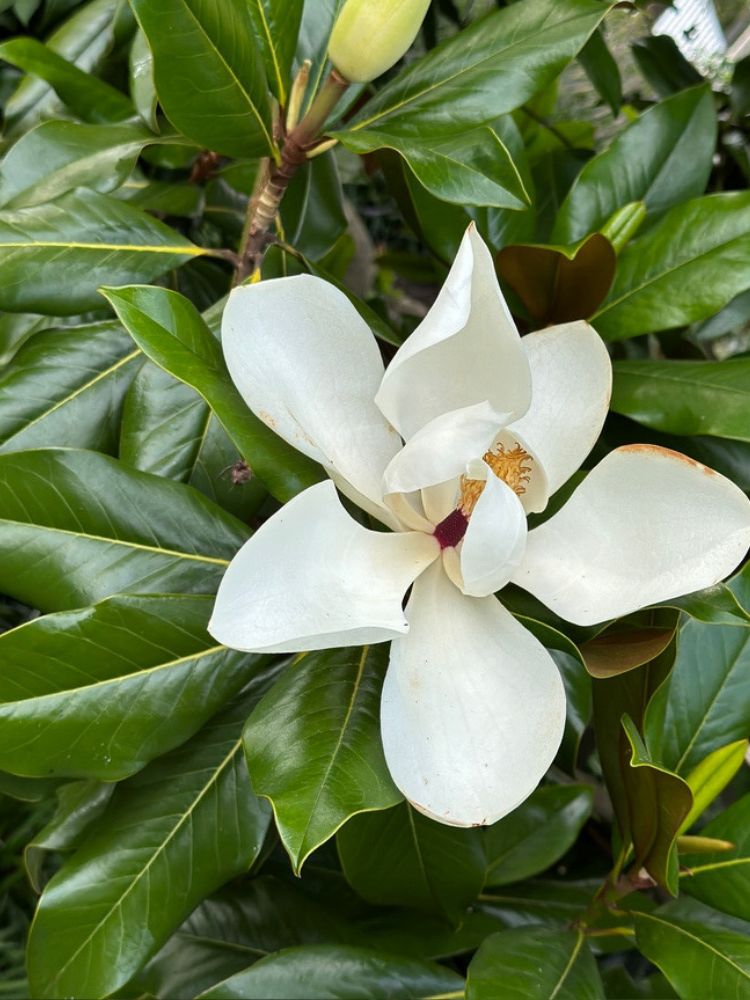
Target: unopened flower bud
x,y
370,36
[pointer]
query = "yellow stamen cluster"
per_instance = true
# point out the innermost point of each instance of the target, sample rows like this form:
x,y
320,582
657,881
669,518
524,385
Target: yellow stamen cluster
x,y
512,466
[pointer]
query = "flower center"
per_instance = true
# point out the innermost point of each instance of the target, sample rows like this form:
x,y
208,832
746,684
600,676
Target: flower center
x,y
512,465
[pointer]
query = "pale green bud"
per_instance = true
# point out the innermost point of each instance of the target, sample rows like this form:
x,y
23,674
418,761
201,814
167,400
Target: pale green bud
x,y
370,36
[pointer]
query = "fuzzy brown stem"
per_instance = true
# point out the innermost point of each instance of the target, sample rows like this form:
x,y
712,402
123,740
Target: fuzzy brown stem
x,y
263,210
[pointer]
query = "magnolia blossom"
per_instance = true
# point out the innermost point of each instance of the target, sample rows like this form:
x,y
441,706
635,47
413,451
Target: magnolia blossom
x,y
470,429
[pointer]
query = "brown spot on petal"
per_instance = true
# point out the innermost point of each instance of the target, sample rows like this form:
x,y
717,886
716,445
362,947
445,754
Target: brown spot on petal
x,y
267,419
656,449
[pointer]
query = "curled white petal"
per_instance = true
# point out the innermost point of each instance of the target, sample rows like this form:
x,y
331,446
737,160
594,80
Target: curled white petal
x,y
440,450
473,706
312,578
646,525
465,351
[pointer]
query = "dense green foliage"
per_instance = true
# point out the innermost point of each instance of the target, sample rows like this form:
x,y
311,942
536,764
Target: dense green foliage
x,y
160,793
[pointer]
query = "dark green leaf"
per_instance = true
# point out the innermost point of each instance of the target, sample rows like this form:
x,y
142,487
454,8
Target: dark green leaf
x,y
624,694
700,958
536,834
79,803
115,685
312,212
470,167
686,397
400,857
723,879
664,66
486,70
87,96
313,746
78,527
57,157
602,70
277,24
170,330
73,245
658,803
208,72
688,266
142,86
323,972
662,159
65,388
170,836
534,963
83,39
168,430
251,919
705,703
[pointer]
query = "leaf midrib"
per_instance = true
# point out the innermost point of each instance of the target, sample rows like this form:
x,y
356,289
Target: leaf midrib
x,y
184,817
215,560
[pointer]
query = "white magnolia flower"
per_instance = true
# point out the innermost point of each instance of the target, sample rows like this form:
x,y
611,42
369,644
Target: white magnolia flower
x,y
469,429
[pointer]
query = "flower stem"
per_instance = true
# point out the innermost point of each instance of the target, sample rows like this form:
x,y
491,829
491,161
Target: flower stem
x,y
264,207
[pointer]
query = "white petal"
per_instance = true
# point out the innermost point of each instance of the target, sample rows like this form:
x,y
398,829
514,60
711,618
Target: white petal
x,y
440,450
571,385
466,350
473,706
495,540
312,578
308,366
439,501
646,525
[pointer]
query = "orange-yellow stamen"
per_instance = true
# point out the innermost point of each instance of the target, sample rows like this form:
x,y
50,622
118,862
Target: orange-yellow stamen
x,y
512,466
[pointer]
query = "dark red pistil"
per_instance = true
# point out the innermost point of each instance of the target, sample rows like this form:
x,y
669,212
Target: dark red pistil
x,y
450,531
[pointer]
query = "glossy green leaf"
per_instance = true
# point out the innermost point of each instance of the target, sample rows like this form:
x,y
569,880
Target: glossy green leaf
x,y
705,703
115,685
313,746
470,167
686,397
534,963
169,330
83,39
321,972
658,803
168,430
142,85
709,778
536,834
722,880
716,605
684,269
399,857
488,69
662,159
79,804
700,957
87,96
65,388
208,72
78,526
546,902
135,878
625,694
664,66
249,920
277,24
312,212
76,243
57,157
602,70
